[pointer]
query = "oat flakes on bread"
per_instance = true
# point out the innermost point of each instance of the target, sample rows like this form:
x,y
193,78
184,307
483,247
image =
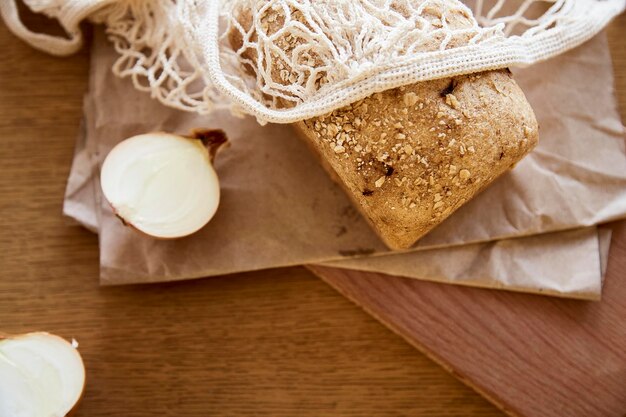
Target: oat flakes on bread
x,y
409,157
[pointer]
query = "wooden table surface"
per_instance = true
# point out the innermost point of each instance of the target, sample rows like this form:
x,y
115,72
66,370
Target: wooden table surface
x,y
275,343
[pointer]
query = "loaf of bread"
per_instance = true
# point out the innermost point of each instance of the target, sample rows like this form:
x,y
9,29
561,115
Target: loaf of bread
x,y
409,157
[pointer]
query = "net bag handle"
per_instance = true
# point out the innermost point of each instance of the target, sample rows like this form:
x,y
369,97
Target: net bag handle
x,y
69,14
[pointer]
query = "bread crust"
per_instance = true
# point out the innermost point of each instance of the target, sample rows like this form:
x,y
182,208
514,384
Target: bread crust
x,y
411,156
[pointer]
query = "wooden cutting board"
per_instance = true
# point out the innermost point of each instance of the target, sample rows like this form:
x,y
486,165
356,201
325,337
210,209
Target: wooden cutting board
x,y
530,355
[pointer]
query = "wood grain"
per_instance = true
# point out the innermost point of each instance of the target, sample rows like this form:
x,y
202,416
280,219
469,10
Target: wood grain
x,y
274,343
530,355
277,343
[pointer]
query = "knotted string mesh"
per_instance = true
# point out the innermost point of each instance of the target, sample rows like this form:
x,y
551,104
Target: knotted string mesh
x,y
288,60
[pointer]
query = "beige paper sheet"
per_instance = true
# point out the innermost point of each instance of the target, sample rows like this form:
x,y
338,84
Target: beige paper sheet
x,y
307,219
562,263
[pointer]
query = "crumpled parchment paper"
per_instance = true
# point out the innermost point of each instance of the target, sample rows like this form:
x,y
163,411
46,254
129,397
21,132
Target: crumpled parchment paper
x,y
279,207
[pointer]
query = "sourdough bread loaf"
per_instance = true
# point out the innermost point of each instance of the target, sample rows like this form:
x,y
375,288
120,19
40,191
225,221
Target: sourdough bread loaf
x,y
411,156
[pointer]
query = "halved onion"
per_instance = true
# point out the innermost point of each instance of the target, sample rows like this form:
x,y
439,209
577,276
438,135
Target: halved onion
x,y
164,184
41,375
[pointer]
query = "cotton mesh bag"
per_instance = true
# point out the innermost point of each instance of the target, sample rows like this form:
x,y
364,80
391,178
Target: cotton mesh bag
x,y
182,51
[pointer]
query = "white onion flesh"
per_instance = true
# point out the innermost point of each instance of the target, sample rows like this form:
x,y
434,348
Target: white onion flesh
x,y
41,375
162,184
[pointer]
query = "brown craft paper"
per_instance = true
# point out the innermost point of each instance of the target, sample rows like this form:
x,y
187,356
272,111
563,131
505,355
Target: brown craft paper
x,y
279,208
561,263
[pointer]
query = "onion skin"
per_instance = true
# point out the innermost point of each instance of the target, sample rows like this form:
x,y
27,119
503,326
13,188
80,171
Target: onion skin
x,y
78,401
141,232
6,336
213,139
